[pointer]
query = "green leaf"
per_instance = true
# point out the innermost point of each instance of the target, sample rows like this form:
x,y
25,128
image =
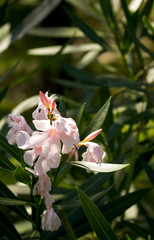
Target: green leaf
x,y
94,183
35,235
98,120
8,148
149,170
98,167
13,202
20,210
3,9
9,72
139,43
6,162
62,107
148,24
69,49
44,8
56,32
76,203
89,32
7,228
96,219
67,83
3,92
86,8
80,114
22,175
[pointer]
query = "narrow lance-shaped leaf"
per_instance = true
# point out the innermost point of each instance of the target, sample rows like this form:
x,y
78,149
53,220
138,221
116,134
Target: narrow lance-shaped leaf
x,y
62,107
3,92
148,170
6,162
98,120
13,202
88,30
3,9
8,148
7,228
94,183
22,175
80,114
98,167
96,219
36,16
9,72
148,24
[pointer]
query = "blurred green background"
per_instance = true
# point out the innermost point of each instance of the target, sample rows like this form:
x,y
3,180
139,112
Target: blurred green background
x,y
87,51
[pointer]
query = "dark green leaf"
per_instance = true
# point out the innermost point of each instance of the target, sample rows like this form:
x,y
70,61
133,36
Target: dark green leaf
x,y
80,114
6,162
3,92
9,72
20,210
22,175
149,171
8,148
3,9
93,184
89,32
62,107
13,202
148,24
139,43
67,83
96,219
36,16
7,228
98,120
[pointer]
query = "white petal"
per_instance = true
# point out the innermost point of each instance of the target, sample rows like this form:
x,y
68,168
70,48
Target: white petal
x,y
99,167
22,140
29,157
38,138
42,125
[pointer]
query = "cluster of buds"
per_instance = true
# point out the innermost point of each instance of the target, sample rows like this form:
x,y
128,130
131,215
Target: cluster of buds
x,y
54,135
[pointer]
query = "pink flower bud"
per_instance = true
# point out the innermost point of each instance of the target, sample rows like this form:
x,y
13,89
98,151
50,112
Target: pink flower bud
x,y
90,137
44,100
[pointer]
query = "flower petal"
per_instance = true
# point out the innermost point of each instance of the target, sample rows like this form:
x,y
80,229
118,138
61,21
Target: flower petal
x,y
22,140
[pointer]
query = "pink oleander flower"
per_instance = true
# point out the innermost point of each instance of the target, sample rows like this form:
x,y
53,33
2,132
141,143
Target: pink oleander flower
x,y
94,153
50,220
68,133
17,123
46,105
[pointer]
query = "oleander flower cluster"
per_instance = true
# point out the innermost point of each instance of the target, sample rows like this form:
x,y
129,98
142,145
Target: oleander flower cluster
x,y
53,136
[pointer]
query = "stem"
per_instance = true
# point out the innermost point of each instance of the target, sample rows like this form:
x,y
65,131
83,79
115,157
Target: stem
x,y
67,225
132,161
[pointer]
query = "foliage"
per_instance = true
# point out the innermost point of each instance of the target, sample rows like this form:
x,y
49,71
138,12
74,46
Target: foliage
x,y
86,52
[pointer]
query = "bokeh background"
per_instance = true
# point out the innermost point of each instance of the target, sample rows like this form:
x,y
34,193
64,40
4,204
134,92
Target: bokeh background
x,y
85,52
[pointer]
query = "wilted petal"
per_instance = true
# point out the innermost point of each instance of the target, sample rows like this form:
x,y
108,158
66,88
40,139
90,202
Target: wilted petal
x,y
17,123
48,200
50,220
99,167
42,186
